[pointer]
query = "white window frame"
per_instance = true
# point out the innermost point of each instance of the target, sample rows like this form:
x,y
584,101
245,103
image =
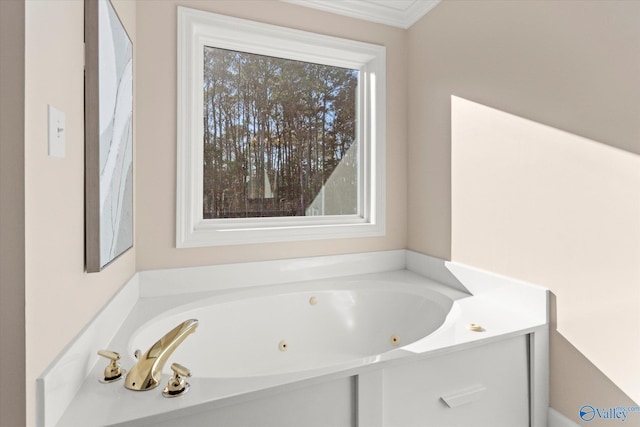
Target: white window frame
x,y
197,29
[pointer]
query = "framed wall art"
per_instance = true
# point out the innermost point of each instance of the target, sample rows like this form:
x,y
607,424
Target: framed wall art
x,y
108,136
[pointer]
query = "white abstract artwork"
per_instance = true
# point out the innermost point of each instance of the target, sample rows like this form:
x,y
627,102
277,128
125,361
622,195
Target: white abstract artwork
x,y
114,153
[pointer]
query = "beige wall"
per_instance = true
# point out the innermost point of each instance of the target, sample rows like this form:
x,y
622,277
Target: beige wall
x,y
156,124
570,65
60,297
553,199
12,273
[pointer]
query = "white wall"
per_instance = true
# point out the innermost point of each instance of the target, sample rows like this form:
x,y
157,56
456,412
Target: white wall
x,y
549,193
60,297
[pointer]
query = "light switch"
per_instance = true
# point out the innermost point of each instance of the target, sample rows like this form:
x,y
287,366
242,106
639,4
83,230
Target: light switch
x,y
56,132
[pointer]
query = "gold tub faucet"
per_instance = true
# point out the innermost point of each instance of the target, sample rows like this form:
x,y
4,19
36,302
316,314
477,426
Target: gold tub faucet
x,y
147,372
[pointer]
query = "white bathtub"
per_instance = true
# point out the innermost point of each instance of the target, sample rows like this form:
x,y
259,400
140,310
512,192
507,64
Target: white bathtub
x,y
362,340
299,327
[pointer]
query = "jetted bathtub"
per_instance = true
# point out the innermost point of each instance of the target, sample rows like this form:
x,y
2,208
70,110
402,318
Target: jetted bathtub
x,y
299,327
383,349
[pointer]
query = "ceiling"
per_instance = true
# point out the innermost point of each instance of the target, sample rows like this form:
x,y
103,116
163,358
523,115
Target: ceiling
x,y
397,13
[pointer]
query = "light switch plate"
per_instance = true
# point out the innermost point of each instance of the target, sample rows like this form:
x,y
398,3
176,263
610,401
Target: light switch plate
x,y
56,132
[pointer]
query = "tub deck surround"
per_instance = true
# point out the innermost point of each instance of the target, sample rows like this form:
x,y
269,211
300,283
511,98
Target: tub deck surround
x,y
504,307
180,281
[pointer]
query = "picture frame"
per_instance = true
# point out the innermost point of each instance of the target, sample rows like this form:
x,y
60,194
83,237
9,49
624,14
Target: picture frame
x,y
108,136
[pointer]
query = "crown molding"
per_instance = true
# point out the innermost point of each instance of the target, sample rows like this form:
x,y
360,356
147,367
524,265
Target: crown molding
x,y
396,13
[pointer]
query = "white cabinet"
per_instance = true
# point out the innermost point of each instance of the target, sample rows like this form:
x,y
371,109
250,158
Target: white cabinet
x,y
484,386
327,404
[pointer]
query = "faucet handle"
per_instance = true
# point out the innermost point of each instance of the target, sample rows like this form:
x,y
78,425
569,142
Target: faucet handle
x,y
113,372
180,370
177,384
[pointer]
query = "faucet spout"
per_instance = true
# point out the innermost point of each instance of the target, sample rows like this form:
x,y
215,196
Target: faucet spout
x,y
147,373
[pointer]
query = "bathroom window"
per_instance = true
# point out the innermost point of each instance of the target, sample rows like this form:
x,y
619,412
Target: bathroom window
x,y
280,133
279,137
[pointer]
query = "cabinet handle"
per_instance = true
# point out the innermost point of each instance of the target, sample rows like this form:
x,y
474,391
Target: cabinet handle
x,y
466,395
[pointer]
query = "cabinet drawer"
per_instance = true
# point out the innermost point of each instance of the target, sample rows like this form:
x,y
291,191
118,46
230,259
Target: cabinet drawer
x,y
482,386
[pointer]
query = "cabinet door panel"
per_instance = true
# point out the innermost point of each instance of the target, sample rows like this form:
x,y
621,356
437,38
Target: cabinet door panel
x,y
486,386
